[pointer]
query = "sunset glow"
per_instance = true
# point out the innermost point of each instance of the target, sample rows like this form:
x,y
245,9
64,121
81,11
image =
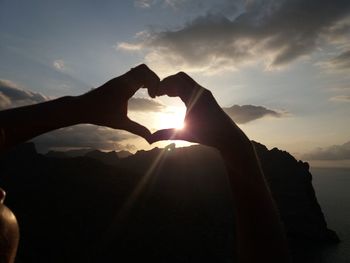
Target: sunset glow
x,y
174,118
285,83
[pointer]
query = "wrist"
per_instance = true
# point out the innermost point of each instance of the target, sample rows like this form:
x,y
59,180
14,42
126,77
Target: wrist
x,y
77,108
239,154
233,140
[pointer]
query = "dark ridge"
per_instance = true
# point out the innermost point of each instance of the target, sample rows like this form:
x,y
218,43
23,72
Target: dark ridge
x,y
162,205
110,158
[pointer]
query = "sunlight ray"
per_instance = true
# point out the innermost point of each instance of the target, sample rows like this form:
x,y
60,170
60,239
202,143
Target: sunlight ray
x,y
124,211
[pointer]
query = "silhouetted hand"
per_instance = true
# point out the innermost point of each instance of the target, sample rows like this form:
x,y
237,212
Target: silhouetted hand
x,y
260,240
108,104
205,121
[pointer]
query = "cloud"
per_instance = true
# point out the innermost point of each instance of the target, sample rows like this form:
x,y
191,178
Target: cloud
x,y
5,102
144,3
227,7
144,104
338,63
339,33
128,46
12,95
272,32
335,152
343,60
59,65
340,98
84,136
247,113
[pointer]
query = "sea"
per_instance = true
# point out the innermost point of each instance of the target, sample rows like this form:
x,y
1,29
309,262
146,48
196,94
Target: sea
x,y
332,187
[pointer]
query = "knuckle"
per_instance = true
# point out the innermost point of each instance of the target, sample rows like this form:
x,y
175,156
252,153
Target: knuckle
x,y
140,68
143,66
182,74
208,92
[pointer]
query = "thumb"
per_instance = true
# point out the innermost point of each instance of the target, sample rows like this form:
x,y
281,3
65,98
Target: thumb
x,y
142,77
169,134
136,128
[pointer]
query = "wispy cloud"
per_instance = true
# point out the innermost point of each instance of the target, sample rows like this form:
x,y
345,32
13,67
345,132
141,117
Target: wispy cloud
x,y
144,3
5,101
128,46
144,104
247,113
228,7
12,95
274,33
340,63
334,152
59,65
339,33
84,136
340,98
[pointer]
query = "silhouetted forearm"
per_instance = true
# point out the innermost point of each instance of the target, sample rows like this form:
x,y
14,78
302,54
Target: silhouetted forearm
x,y
20,124
105,106
260,235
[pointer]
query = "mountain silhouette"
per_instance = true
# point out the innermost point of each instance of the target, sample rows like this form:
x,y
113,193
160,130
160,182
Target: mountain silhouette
x,y
162,205
69,153
107,158
87,152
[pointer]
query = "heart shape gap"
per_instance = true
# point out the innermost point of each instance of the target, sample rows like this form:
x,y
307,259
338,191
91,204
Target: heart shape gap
x,y
157,114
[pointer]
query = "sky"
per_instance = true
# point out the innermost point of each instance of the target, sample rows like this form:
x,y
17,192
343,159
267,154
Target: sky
x,y
279,68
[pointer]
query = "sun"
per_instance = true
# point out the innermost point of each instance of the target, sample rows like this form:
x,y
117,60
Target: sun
x,y
173,118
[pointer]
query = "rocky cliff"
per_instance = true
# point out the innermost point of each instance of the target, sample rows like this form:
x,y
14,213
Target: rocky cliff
x,y
164,205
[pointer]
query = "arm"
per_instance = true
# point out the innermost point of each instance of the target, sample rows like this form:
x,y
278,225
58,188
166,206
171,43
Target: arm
x,y
24,123
259,231
105,106
260,235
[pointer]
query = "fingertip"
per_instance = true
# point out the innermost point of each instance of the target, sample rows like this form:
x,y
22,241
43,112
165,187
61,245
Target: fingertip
x,y
167,134
142,66
151,80
153,88
182,74
169,86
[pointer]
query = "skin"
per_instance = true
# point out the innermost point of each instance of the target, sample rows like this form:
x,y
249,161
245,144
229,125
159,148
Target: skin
x,y
260,236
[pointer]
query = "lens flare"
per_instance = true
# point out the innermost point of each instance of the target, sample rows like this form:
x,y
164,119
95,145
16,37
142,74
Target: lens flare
x,y
174,118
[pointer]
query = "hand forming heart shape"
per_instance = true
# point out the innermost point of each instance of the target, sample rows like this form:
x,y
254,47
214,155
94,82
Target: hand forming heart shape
x,y
206,122
110,101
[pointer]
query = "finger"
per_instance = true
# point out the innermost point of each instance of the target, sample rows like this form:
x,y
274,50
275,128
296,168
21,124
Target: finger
x,y
151,82
179,85
136,128
168,134
142,77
